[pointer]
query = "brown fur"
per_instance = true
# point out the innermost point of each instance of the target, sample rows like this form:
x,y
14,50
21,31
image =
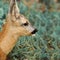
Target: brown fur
x,y
2,55
12,29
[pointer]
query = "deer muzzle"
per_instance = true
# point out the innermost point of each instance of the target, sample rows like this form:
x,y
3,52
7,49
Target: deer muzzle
x,y
34,31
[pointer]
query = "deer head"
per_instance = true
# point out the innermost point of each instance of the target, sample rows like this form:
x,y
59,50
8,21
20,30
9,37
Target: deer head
x,y
18,23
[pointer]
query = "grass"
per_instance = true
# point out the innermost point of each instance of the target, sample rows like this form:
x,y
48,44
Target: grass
x,y
46,44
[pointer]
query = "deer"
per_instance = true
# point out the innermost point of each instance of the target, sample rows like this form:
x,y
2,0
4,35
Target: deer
x,y
16,25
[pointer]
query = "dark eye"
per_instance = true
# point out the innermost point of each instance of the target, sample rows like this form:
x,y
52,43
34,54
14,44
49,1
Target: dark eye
x,y
25,24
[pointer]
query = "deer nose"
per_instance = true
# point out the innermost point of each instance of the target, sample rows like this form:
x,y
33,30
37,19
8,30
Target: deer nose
x,y
34,31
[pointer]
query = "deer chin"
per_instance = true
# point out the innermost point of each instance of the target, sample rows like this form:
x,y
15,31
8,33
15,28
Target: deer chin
x,y
33,35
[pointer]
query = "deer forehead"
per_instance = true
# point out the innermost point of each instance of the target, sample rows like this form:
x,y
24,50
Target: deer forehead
x,y
23,20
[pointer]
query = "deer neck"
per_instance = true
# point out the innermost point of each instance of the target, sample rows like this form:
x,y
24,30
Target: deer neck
x,y
7,39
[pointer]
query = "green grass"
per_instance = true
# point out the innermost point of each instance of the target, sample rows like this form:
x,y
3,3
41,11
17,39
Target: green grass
x,y
46,44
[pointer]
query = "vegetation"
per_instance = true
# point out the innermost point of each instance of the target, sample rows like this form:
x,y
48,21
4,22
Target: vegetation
x,y
46,44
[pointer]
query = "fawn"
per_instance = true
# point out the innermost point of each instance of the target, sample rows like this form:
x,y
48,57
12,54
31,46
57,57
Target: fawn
x,y
16,25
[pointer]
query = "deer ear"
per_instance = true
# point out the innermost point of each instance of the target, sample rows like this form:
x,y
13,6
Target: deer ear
x,y
13,8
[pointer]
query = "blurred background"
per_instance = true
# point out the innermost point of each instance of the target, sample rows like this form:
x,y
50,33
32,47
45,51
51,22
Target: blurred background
x,y
45,15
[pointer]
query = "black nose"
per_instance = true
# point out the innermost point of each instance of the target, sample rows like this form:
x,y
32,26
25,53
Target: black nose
x,y
34,31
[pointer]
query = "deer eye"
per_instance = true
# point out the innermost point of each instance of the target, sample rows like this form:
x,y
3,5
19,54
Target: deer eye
x,y
25,24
